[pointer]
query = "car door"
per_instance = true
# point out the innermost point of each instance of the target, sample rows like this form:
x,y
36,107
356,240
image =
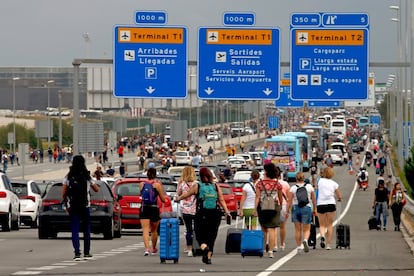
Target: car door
x,y
14,199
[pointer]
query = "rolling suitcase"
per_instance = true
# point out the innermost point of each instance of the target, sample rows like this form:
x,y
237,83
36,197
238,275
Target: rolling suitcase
x,y
372,223
343,234
169,240
233,238
252,242
312,234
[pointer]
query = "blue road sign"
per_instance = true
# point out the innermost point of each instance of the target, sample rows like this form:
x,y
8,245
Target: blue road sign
x,y
273,122
331,63
150,62
238,63
150,17
305,19
375,120
285,99
238,19
312,104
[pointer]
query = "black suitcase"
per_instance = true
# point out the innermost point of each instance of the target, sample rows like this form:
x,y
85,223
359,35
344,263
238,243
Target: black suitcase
x,y
233,239
372,223
343,236
312,235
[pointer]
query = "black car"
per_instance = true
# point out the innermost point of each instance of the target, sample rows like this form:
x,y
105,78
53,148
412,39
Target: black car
x,y
105,213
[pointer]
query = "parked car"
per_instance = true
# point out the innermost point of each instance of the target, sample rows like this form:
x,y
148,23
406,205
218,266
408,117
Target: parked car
x,y
213,136
342,147
9,205
183,158
129,194
30,198
237,187
257,158
236,162
105,213
230,198
336,155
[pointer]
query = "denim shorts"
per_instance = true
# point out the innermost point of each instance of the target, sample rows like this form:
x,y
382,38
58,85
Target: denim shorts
x,y
302,215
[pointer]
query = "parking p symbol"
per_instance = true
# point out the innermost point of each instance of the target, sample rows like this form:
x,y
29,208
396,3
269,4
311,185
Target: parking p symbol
x,y
305,64
150,73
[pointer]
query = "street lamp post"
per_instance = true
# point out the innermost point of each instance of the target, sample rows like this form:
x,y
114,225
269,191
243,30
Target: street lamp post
x,y
47,109
14,114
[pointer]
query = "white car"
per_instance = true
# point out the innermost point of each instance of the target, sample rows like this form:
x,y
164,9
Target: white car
x,y
213,136
9,205
236,162
246,157
336,156
183,158
30,198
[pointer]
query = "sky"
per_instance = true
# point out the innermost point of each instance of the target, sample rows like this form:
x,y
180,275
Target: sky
x,y
51,32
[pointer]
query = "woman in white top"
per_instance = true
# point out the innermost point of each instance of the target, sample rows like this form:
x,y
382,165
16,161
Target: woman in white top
x,y
328,192
301,215
247,202
188,205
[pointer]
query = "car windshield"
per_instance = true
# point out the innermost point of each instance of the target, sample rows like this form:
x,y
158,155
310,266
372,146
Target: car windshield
x,y
128,189
55,192
226,190
181,153
20,189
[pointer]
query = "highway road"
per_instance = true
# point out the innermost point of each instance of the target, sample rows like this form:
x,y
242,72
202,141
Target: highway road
x,y
371,253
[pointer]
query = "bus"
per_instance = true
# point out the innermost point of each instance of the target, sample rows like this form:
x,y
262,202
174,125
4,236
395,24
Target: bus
x,y
318,143
286,152
338,126
363,121
306,145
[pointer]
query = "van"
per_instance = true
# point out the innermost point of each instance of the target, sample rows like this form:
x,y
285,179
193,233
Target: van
x,y
338,126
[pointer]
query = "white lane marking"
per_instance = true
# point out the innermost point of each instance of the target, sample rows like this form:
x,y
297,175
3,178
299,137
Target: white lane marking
x,y
46,267
26,273
293,253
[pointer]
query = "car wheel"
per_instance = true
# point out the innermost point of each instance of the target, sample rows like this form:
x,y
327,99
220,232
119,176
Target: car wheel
x,y
109,231
118,231
15,224
42,233
6,223
35,223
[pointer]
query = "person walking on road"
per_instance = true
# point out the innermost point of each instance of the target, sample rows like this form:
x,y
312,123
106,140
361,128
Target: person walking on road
x,y
302,209
188,205
396,201
247,201
150,212
380,205
283,214
328,192
269,219
208,213
76,196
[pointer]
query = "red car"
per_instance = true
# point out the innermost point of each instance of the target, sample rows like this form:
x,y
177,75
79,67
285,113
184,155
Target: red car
x,y
129,198
230,198
237,187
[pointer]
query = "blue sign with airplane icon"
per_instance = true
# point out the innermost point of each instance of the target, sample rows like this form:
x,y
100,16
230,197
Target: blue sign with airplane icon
x,y
273,122
150,62
238,63
329,62
375,120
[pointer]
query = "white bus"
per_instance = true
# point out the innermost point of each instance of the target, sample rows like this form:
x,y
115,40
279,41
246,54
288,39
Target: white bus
x,y
337,126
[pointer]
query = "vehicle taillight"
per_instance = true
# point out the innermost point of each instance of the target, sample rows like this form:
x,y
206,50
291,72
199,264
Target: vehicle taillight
x,y
102,203
3,194
32,198
49,202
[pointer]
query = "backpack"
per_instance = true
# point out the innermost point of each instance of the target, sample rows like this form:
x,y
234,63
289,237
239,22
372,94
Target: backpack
x,y
363,176
78,193
148,194
382,161
207,196
302,196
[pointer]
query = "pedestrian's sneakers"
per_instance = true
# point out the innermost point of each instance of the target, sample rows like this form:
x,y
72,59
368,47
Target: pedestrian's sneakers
x,y
275,249
305,246
189,253
154,251
147,252
270,254
87,256
77,257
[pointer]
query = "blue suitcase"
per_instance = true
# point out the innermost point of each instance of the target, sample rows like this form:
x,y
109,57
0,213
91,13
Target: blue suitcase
x,y
252,243
169,240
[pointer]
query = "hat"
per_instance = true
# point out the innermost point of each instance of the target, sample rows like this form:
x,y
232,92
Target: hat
x,y
151,165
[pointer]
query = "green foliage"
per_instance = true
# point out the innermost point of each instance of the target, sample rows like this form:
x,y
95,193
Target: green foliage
x,y
409,170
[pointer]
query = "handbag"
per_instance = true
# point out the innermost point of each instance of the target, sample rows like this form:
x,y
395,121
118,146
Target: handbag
x,y
403,201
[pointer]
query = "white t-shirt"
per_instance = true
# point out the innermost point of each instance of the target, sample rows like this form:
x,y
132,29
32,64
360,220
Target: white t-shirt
x,y
308,187
326,191
249,202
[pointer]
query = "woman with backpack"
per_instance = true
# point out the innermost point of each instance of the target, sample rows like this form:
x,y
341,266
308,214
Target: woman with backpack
x,y
75,194
208,212
302,205
328,192
269,190
150,212
397,201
